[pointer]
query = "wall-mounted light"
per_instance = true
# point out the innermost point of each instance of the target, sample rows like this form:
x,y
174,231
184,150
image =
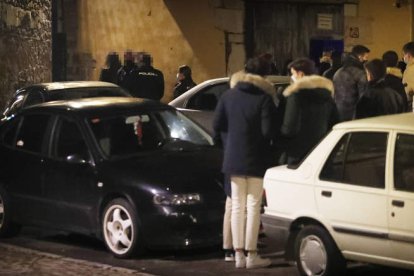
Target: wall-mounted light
x,y
400,3
397,4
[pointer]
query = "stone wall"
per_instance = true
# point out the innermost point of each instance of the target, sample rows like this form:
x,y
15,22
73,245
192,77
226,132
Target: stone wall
x,y
25,44
229,18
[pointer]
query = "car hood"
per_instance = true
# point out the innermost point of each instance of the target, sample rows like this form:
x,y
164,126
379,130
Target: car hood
x,y
174,171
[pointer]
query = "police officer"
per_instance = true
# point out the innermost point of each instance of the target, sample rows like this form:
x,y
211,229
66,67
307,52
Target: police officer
x,y
145,81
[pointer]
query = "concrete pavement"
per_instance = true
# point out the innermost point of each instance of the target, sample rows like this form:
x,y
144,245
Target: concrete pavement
x,y
15,260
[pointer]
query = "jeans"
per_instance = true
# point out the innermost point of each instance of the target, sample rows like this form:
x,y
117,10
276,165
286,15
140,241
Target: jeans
x,y
246,193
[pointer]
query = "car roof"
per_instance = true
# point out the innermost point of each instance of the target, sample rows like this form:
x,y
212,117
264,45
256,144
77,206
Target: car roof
x,y
272,78
403,121
52,86
100,105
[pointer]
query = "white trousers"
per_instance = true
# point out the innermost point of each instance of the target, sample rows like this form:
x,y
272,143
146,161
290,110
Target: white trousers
x,y
246,199
227,238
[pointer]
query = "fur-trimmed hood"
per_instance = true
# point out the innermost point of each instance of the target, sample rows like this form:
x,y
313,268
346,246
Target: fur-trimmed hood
x,y
256,80
395,71
309,82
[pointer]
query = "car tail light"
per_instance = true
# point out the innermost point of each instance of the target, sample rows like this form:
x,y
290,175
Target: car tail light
x,y
264,198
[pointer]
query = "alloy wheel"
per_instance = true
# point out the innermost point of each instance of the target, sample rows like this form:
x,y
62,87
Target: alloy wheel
x,y
118,229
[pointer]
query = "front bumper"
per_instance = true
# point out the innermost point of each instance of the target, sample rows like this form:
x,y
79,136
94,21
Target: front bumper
x,y
181,229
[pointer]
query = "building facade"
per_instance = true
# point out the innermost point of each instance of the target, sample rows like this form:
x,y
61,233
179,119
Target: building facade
x,y
213,37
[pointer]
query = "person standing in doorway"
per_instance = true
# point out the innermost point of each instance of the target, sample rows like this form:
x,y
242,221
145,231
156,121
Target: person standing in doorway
x,y
336,58
246,114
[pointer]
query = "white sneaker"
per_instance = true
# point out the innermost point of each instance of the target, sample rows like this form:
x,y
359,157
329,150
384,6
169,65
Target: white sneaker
x,y
255,261
240,259
229,255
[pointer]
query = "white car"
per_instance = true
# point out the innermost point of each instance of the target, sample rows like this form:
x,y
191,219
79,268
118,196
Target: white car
x,y
351,198
199,102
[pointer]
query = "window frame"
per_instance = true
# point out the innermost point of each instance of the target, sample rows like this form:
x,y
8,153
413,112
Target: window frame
x,y
202,91
392,162
388,151
46,134
54,138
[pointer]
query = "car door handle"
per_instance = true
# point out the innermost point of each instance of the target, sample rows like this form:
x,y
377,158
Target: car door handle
x,y
326,193
398,203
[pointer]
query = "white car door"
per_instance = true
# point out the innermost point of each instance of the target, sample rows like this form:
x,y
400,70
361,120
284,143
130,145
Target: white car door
x,y
401,200
351,194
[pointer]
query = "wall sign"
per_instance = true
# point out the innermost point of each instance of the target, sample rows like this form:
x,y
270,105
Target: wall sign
x,y
325,21
354,32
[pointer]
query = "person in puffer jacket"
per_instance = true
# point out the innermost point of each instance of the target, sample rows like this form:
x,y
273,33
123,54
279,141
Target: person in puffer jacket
x,y
379,99
245,116
393,77
310,111
350,82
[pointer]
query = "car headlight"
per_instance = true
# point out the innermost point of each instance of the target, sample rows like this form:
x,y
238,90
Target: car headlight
x,y
176,199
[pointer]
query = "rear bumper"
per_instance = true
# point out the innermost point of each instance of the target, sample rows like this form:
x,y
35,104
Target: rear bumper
x,y
277,231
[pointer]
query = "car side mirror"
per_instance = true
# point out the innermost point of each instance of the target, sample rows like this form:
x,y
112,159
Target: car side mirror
x,y
76,159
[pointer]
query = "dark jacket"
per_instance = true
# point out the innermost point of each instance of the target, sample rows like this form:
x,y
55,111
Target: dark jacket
x,y
310,113
183,86
379,100
350,83
329,74
146,82
109,75
123,74
393,80
245,113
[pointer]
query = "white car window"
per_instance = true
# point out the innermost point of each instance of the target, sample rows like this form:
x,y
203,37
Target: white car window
x,y
404,163
207,98
358,159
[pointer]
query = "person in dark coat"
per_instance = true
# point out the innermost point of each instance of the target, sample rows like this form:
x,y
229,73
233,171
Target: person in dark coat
x,y
336,58
145,81
350,82
110,72
185,81
126,69
378,99
245,113
325,62
393,77
310,110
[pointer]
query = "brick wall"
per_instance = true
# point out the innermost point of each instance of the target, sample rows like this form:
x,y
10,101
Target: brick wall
x,y
25,44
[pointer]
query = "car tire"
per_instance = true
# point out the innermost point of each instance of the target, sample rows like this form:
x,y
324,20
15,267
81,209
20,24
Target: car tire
x,y
7,227
317,254
121,229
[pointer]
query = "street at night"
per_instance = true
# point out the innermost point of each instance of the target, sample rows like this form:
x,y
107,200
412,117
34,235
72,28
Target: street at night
x,y
39,252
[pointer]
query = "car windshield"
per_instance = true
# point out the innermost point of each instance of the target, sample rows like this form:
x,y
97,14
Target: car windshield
x,y
125,135
87,92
